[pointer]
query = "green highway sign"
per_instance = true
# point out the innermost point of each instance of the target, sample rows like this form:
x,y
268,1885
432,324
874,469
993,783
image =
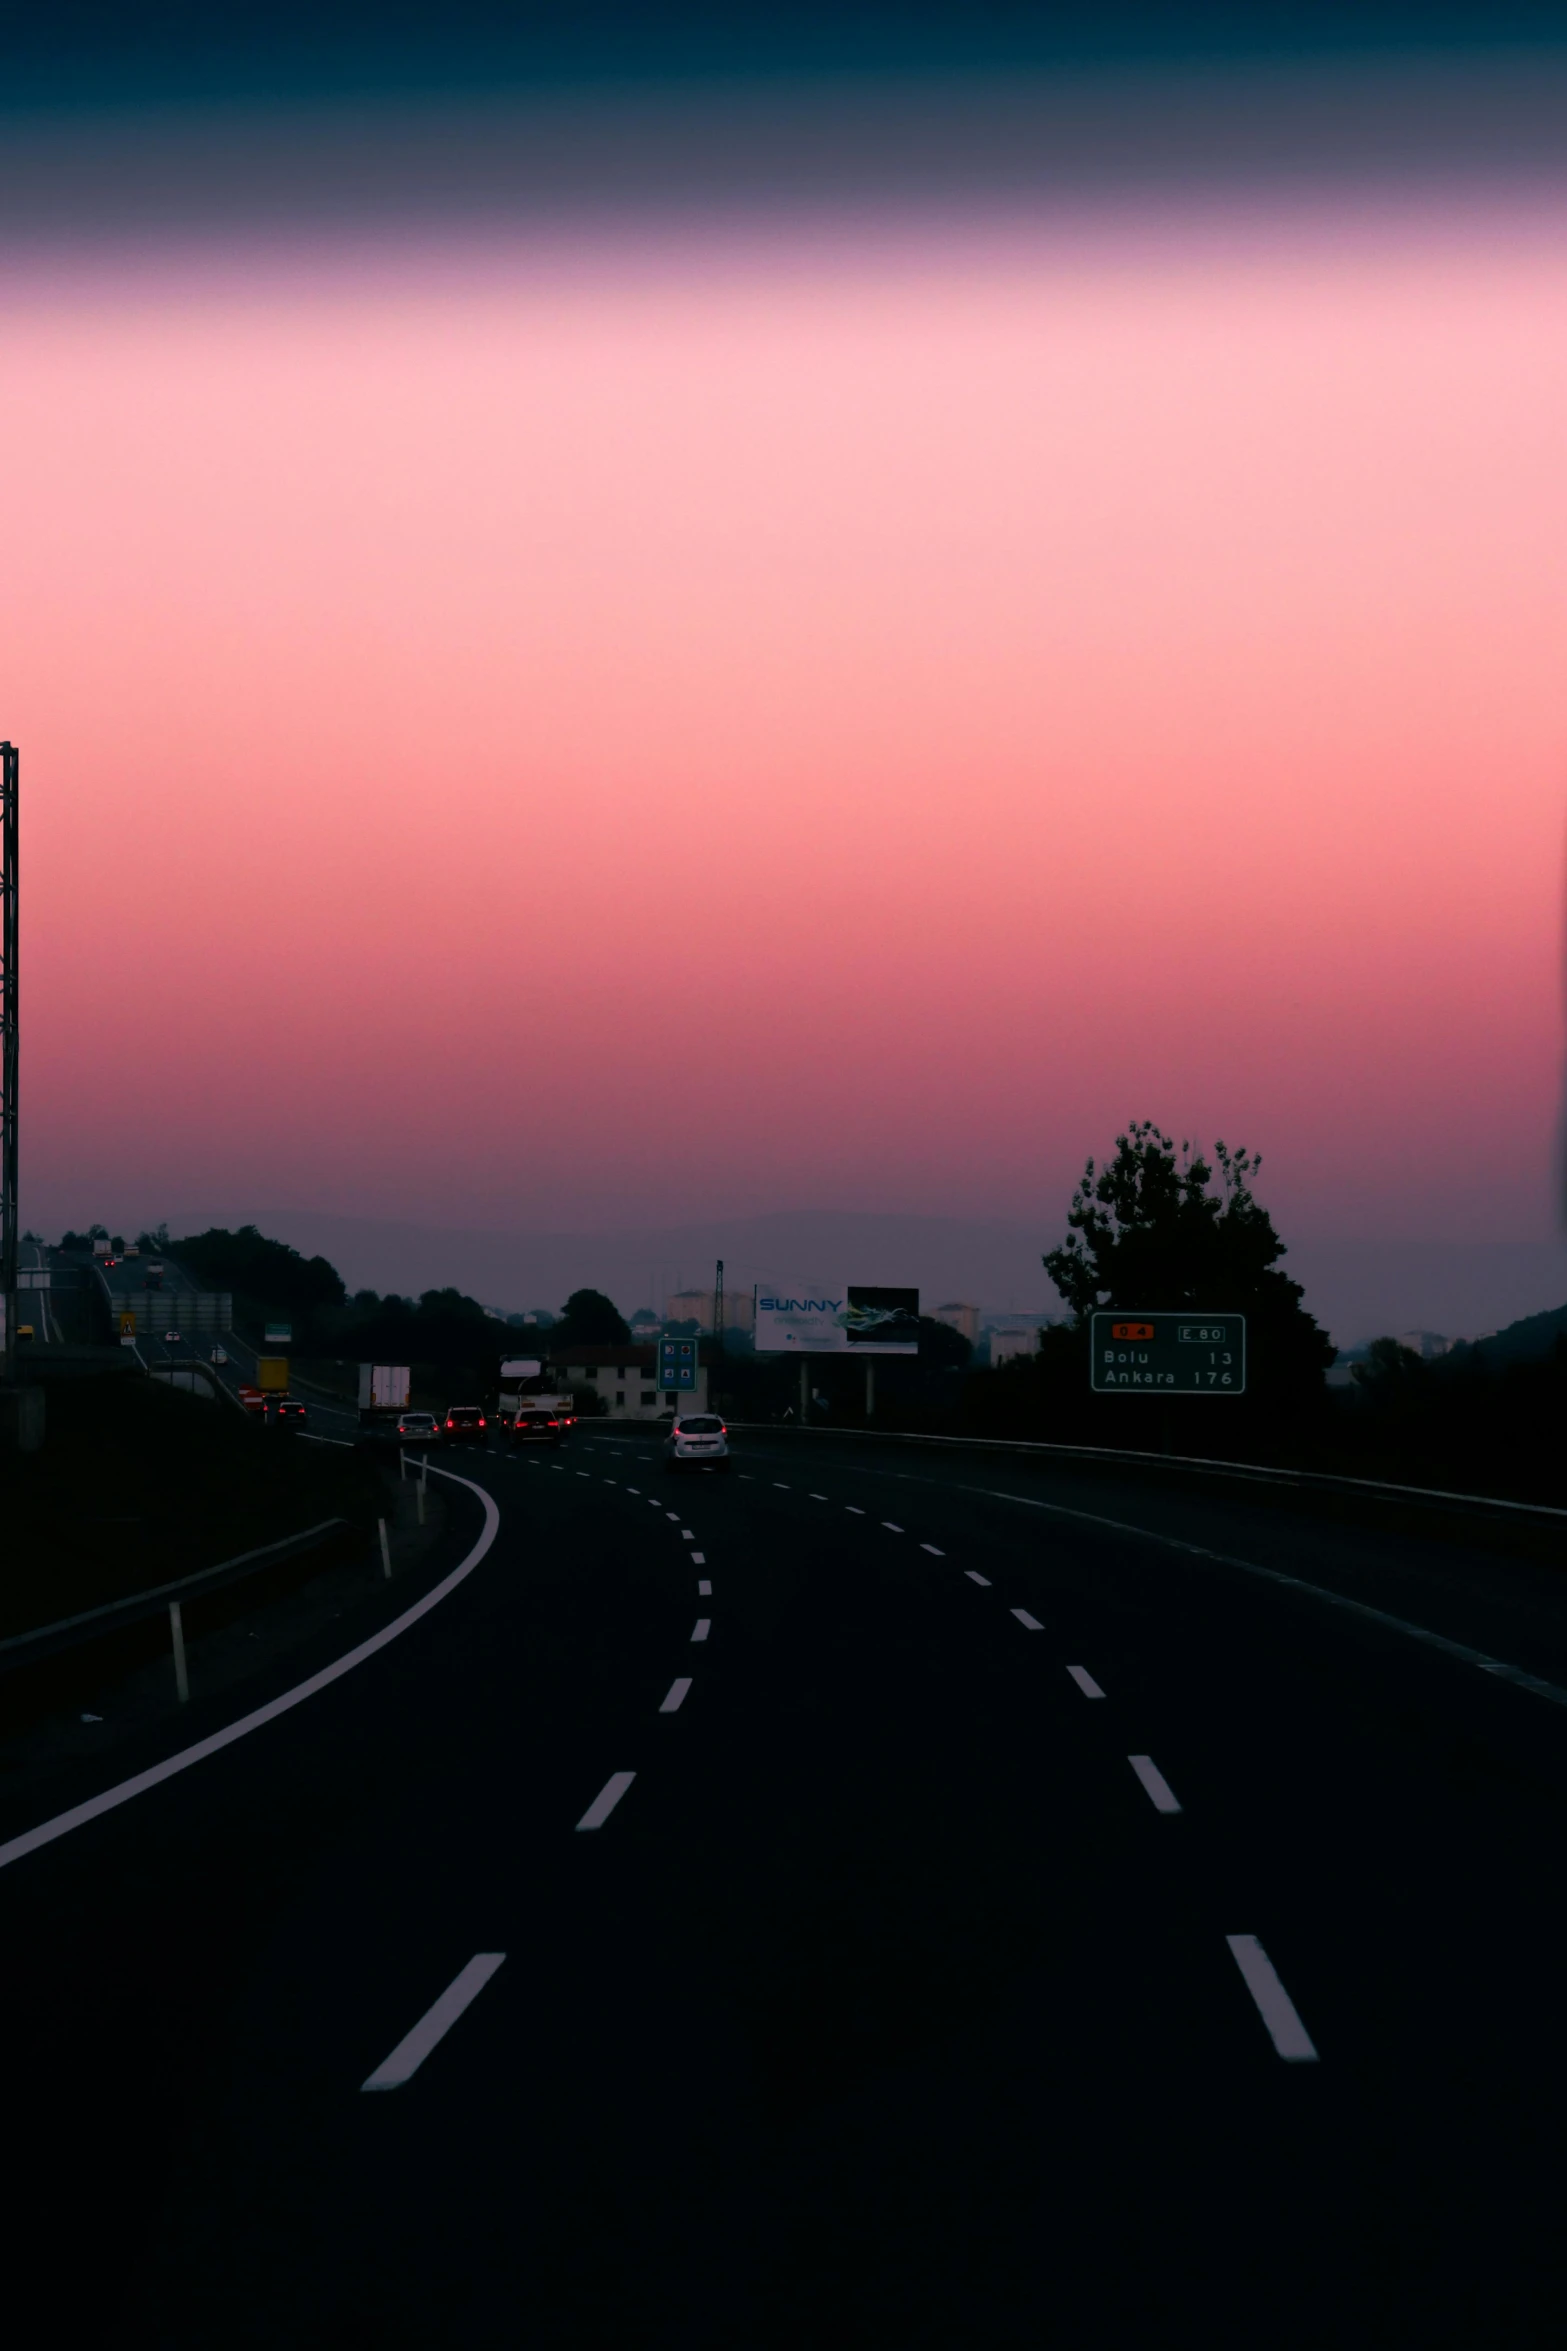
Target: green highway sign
x,y
1167,1354
677,1362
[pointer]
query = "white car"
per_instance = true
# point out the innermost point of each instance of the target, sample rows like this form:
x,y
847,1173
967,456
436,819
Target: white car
x,y
700,1437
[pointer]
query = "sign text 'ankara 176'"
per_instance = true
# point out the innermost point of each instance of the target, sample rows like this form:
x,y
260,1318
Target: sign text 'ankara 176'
x,y
1167,1354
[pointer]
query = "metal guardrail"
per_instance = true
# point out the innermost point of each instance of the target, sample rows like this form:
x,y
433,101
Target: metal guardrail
x,y
1256,1470
114,1616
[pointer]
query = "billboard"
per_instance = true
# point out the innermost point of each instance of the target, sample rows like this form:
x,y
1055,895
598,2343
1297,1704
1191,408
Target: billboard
x,y
836,1318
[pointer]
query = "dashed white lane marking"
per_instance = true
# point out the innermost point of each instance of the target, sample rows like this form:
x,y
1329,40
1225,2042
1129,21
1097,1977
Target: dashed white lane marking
x,y
611,1481
435,2024
703,1626
1031,1623
1556,1692
606,1800
819,1497
686,1536
699,1559
1274,2005
637,1490
1085,1681
677,1691
704,1589
891,1526
747,1477
780,1488
1160,1793
975,1577
556,1467
672,1515
931,1548
854,1510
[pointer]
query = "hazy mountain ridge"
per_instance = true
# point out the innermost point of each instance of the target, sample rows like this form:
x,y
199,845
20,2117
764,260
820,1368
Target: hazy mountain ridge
x,y
1359,1289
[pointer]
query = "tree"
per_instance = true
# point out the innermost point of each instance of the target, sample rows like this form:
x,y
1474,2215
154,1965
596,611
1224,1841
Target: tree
x,y
589,1319
1151,1231
268,1279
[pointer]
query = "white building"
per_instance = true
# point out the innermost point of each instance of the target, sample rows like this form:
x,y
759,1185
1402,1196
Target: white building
x,y
959,1317
626,1378
1007,1346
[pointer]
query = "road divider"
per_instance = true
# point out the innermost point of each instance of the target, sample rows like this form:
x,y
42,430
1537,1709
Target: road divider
x,y
63,1823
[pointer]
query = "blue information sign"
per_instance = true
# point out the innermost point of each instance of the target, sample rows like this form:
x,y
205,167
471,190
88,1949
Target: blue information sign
x,y
677,1362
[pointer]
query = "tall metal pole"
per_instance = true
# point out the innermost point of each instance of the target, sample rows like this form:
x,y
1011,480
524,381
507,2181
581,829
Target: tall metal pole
x,y
718,1328
8,1047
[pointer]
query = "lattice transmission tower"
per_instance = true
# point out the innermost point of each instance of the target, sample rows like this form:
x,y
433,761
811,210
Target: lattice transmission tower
x,y
8,1047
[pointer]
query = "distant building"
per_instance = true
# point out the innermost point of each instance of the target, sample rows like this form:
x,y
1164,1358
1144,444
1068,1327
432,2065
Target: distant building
x,y
698,1306
959,1317
1007,1346
626,1378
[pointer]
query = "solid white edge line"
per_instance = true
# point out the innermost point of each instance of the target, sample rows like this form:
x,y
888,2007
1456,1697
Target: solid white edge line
x,y
1294,1583
1274,2005
1085,1681
1157,1788
701,1629
677,1693
1029,1623
606,1800
78,1816
412,2050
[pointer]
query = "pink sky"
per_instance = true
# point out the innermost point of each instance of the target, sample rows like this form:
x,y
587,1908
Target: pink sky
x,y
594,731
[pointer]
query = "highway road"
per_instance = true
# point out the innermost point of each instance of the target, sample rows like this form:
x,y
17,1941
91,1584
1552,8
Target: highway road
x,y
872,1897
159,1341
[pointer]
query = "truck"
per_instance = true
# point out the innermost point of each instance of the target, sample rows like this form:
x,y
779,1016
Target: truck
x,y
524,1388
383,1394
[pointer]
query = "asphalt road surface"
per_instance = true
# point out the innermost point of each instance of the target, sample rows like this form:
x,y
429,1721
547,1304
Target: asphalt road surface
x,y
870,1898
160,1342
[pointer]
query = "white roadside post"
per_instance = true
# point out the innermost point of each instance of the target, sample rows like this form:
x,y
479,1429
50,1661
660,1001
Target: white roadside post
x,y
386,1551
177,1636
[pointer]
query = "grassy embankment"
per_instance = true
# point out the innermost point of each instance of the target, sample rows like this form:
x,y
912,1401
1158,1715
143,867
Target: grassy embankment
x,y
138,1484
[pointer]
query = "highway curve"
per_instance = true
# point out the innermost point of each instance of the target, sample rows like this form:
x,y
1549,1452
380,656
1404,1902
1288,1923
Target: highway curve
x,y
873,1897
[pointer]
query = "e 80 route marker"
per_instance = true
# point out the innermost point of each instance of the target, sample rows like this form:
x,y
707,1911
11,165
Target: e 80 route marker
x,y
1167,1354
